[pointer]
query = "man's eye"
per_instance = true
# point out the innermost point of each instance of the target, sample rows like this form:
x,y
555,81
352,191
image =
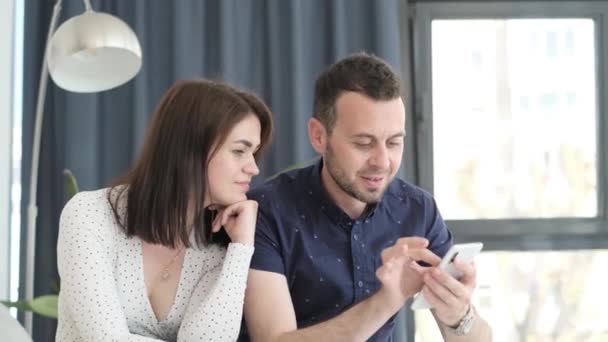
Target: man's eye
x,y
363,145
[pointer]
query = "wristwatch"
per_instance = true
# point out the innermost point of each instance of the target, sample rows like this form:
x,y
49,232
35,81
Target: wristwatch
x,y
466,323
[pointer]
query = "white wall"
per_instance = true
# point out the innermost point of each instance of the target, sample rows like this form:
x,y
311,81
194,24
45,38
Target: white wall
x,y
6,102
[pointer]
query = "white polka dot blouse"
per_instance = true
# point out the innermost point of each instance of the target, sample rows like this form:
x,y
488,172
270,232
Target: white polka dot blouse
x,y
103,296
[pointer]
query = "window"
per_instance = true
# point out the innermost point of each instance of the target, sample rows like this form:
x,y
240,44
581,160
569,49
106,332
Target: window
x,y
16,149
6,64
511,136
538,157
537,296
11,55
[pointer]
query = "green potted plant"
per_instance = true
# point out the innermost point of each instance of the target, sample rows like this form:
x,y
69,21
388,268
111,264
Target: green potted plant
x,y
47,305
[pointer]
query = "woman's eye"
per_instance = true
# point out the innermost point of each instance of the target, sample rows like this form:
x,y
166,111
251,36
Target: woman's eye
x,y
238,152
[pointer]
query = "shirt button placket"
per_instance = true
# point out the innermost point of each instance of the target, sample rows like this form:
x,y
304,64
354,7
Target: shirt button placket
x,y
358,261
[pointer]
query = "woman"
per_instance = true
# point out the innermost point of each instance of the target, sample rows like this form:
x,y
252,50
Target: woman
x,y
164,253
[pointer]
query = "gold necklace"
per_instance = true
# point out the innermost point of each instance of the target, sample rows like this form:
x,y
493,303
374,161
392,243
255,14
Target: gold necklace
x,y
165,274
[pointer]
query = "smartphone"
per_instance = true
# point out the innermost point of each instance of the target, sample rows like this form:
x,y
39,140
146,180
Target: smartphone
x,y
465,252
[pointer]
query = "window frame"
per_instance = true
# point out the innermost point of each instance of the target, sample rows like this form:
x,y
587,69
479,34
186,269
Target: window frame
x,y
7,27
512,234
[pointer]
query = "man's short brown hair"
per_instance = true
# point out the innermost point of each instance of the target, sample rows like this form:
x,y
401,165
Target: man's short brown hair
x,y
362,73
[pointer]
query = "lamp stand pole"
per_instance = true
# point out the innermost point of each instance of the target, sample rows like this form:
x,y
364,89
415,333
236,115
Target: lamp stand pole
x,y
32,208
131,46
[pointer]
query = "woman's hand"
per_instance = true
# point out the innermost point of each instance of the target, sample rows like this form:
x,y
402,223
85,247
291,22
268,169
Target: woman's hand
x,y
238,219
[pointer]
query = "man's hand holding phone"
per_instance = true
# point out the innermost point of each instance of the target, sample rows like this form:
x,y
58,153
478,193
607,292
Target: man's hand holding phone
x,y
448,287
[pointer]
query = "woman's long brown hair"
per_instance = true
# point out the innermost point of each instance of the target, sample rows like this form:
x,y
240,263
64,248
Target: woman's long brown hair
x,y
165,189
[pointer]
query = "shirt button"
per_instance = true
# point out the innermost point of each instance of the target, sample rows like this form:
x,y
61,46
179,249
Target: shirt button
x,y
360,283
356,237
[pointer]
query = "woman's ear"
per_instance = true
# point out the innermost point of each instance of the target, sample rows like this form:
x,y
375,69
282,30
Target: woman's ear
x,y
317,135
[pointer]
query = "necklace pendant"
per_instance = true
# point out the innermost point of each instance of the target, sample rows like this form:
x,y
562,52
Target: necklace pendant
x,y
165,275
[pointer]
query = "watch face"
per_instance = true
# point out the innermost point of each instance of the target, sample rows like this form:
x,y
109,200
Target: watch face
x,y
466,327
467,323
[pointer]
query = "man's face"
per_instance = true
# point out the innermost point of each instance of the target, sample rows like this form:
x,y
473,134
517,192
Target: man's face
x,y
364,150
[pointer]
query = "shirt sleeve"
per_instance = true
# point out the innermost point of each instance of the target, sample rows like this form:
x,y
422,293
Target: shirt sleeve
x,y
267,255
216,305
437,232
88,293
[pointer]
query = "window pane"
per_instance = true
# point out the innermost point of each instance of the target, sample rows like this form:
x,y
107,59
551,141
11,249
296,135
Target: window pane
x,y
16,153
514,118
538,296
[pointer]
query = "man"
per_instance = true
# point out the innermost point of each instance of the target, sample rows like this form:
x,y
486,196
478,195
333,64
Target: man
x,y
338,244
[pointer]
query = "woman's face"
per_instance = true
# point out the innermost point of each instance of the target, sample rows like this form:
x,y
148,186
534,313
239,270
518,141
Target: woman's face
x,y
232,166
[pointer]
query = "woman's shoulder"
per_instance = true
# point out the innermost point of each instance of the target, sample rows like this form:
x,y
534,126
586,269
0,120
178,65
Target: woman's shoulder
x,y
90,210
88,202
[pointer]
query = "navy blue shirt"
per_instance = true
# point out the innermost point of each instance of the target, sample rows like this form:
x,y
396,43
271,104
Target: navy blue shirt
x,y
329,259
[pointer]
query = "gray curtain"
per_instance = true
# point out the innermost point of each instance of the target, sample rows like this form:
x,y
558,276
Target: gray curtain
x,y
275,48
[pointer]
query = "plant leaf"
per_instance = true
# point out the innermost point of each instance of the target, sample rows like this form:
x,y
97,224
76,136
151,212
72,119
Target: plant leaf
x,y
22,305
45,305
70,183
55,286
294,166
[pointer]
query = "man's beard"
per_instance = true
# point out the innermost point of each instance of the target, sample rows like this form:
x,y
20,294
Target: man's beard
x,y
339,176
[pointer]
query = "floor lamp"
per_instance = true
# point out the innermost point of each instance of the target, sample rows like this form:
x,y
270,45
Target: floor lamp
x,y
91,52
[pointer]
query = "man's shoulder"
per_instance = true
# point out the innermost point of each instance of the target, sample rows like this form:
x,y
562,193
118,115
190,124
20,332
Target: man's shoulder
x,y
400,190
283,186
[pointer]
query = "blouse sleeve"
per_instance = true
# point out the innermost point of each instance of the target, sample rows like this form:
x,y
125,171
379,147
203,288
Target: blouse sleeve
x,y
88,292
216,306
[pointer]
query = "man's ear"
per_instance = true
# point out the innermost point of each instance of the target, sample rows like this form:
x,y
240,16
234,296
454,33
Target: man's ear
x,y
317,135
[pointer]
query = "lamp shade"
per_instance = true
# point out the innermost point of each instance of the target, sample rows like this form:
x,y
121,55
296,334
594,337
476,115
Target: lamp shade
x,y
93,52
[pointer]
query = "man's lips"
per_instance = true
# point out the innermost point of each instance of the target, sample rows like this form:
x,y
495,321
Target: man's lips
x,y
373,180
